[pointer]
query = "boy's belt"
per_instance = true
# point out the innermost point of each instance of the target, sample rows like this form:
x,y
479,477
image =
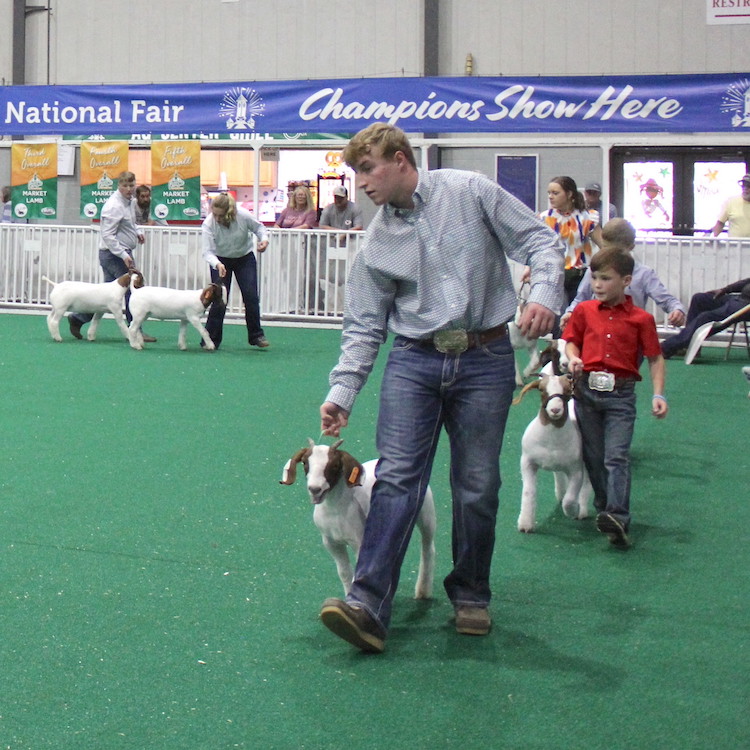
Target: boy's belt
x,y
600,380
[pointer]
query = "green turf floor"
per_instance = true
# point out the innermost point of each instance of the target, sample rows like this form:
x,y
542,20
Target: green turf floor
x,y
160,588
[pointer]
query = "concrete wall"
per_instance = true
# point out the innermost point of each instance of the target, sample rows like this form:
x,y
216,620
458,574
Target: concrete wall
x,y
169,41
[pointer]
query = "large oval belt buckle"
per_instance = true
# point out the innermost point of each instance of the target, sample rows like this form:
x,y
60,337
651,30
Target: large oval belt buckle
x,y
451,342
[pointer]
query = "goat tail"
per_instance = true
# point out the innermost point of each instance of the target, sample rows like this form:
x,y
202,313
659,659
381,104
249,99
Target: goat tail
x,y
49,281
525,390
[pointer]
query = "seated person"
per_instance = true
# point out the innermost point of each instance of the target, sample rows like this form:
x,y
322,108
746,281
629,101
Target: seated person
x,y
645,284
708,307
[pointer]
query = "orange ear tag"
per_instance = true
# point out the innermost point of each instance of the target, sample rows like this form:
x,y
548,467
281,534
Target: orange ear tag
x,y
354,475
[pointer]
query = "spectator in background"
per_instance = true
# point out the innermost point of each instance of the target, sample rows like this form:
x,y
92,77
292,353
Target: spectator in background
x,y
342,213
228,248
143,208
575,226
592,194
300,212
708,307
7,205
118,237
737,212
644,284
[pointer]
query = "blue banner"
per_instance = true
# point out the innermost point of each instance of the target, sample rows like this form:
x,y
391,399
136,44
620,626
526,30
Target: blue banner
x,y
714,103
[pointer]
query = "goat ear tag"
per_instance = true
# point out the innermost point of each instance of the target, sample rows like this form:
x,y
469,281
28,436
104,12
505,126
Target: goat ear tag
x,y
353,476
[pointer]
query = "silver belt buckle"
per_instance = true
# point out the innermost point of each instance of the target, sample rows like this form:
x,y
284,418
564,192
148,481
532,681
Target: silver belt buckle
x,y
451,342
601,381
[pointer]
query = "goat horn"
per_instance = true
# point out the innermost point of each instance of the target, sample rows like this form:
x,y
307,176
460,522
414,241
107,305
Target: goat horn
x,y
525,390
311,442
337,444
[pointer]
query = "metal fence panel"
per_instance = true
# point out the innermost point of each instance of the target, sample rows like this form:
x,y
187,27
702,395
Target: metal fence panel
x,y
302,275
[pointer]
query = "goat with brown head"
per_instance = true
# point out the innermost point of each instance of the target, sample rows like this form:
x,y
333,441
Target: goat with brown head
x,y
339,487
555,391
337,465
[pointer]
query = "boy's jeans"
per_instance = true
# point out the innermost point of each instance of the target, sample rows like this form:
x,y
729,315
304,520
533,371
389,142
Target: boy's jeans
x,y
422,390
607,420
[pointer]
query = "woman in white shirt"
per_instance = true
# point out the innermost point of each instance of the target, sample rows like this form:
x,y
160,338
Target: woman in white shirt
x,y
228,248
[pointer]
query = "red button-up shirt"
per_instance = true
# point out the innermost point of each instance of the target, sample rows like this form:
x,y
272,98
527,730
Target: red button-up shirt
x,y
613,339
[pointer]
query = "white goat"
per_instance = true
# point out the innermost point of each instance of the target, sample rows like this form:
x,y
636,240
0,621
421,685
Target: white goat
x,y
552,442
746,373
83,297
187,306
339,487
520,343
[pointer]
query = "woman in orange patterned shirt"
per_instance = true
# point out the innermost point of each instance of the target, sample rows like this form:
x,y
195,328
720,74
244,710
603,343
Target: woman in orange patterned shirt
x,y
576,227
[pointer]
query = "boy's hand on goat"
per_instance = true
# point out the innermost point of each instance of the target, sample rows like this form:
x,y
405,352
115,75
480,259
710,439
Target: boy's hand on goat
x,y
536,320
333,418
575,365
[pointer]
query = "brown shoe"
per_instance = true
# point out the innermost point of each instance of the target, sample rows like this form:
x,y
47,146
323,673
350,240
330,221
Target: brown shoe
x,y
75,327
354,625
261,343
148,339
473,620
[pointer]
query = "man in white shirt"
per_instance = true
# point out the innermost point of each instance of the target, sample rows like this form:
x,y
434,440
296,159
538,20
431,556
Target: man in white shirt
x,y
118,237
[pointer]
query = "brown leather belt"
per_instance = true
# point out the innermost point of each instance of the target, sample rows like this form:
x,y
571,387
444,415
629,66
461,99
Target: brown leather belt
x,y
455,342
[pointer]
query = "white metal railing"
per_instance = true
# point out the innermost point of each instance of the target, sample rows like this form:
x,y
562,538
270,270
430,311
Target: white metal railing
x,y
302,274
300,277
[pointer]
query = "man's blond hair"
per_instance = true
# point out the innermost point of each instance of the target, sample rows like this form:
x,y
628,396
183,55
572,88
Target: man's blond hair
x,y
388,138
124,177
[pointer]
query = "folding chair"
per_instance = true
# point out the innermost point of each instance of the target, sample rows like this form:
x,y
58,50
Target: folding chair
x,y
709,329
738,329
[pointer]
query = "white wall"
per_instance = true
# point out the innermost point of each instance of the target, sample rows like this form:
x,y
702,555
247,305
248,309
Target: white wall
x,y
588,37
171,41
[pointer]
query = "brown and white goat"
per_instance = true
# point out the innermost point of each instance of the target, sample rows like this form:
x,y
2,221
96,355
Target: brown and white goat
x,y
185,305
552,441
83,297
339,487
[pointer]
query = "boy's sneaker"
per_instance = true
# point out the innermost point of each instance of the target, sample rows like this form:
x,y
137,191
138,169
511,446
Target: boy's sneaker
x,y
354,625
614,529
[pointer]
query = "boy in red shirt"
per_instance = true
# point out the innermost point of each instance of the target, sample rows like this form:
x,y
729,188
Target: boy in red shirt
x,y
608,337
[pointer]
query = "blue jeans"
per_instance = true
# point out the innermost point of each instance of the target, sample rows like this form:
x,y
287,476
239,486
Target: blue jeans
x,y
246,273
704,308
607,421
422,391
113,267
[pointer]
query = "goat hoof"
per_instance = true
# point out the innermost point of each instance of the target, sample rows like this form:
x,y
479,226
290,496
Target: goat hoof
x,y
571,510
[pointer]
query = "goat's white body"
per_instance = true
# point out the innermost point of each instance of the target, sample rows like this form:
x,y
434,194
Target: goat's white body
x,y
83,297
341,516
555,447
520,343
167,304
